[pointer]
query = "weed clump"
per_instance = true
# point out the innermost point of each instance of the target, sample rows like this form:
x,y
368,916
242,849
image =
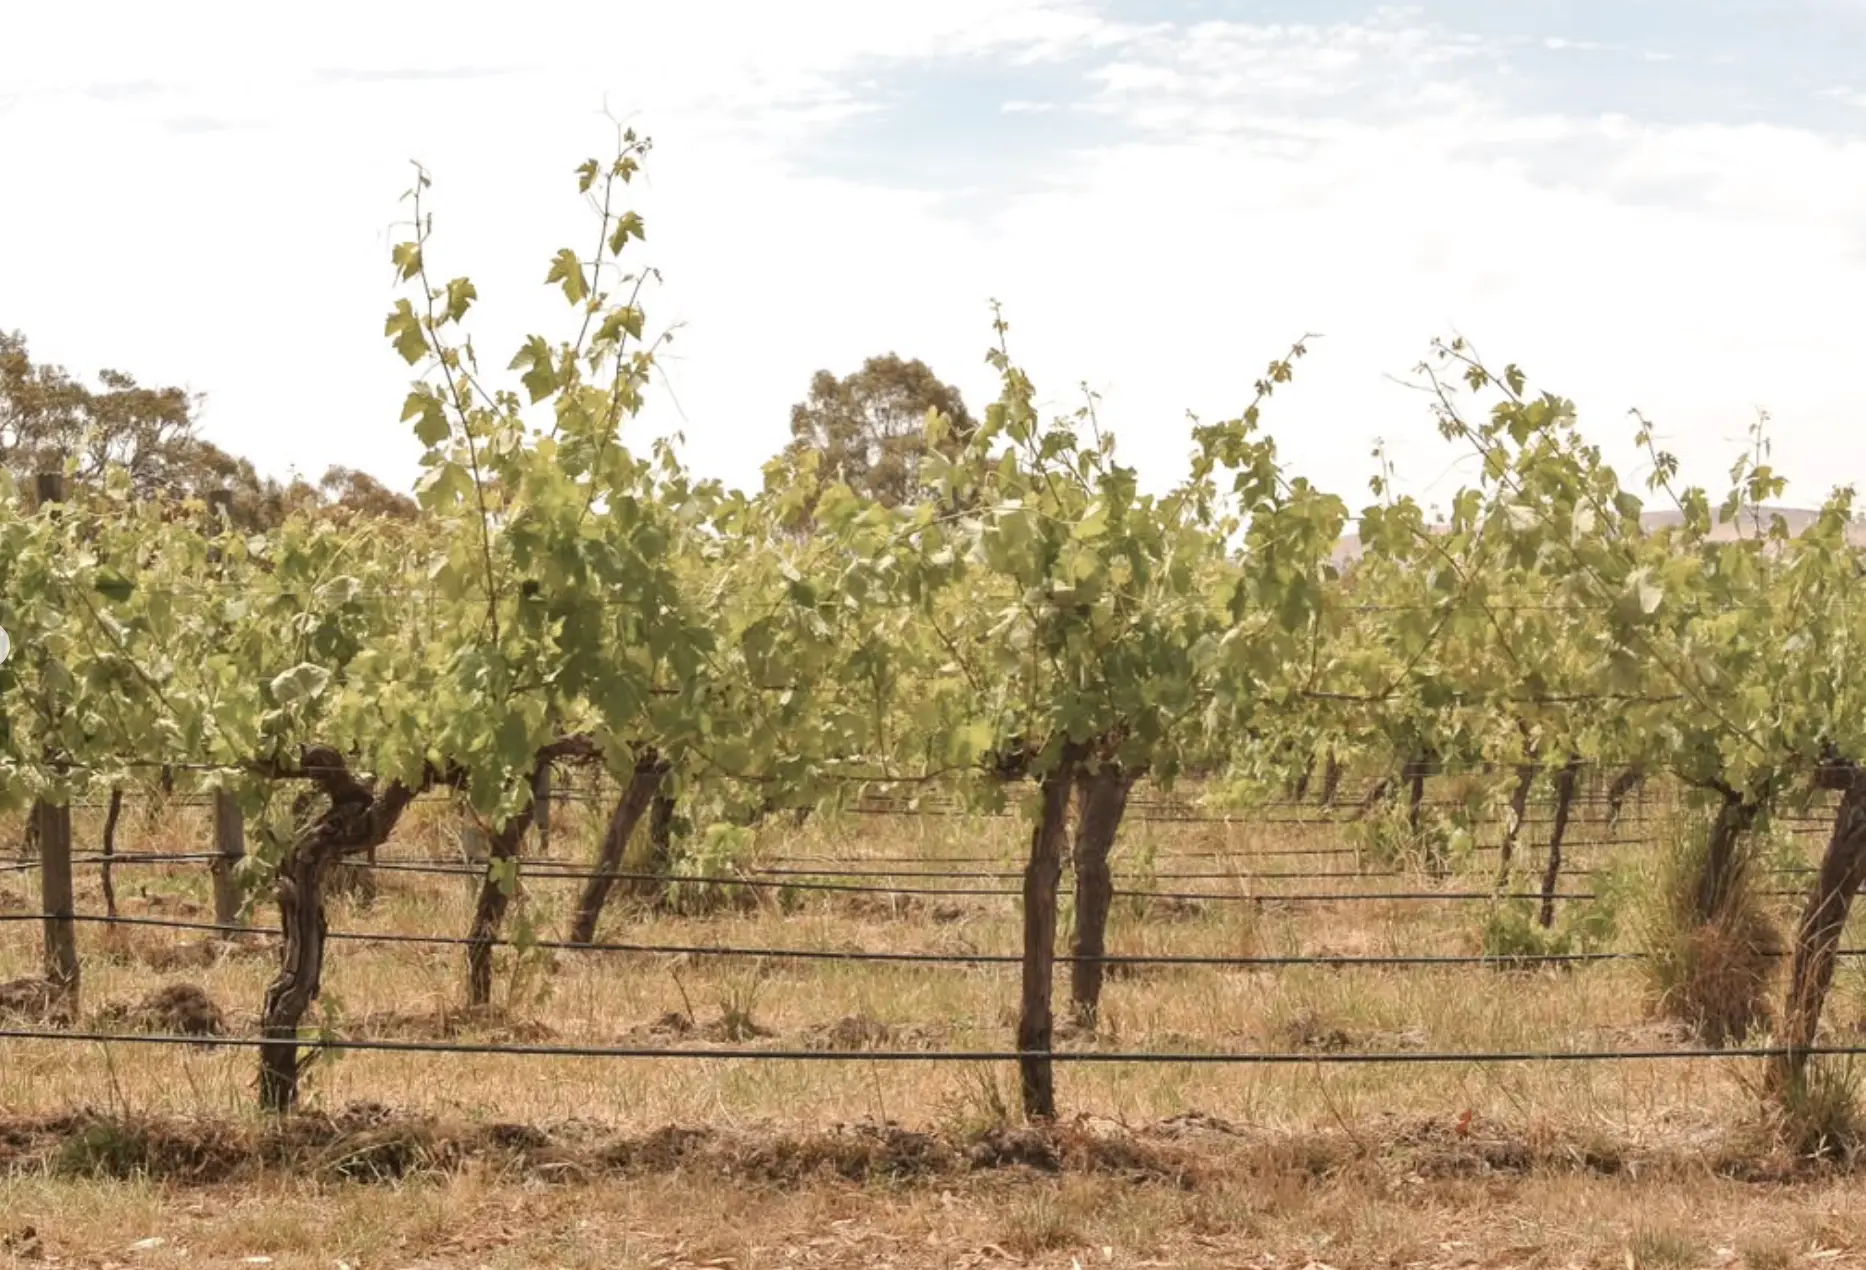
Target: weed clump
x,y
1513,935
1390,840
176,1009
1815,1113
29,1000
104,1148
1711,971
122,1148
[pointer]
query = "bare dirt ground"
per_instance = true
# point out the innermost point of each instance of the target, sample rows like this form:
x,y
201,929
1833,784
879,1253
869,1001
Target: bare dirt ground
x,y
126,1155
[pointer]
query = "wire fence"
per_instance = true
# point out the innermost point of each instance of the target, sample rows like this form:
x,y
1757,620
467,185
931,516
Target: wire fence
x,y
798,886
726,1053
866,875
808,881
1492,961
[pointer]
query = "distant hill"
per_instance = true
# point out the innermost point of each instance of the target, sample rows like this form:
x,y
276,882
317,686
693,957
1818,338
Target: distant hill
x,y
1798,518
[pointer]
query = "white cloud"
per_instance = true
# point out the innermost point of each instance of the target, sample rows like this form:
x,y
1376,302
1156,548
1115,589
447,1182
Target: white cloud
x,y
1255,183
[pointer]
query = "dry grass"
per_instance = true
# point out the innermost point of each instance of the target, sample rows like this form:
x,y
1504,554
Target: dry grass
x,y
484,1218
1654,1163
1713,974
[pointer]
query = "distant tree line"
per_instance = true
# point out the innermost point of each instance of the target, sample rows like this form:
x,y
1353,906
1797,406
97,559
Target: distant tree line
x,y
49,417
866,428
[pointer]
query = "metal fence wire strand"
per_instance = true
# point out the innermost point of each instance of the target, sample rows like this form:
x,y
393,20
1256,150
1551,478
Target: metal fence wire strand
x,y
1515,961
1256,1058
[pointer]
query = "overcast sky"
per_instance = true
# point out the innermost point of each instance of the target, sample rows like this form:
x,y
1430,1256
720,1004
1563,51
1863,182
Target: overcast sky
x,y
1651,203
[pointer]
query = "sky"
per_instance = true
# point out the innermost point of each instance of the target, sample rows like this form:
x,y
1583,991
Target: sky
x,y
1651,204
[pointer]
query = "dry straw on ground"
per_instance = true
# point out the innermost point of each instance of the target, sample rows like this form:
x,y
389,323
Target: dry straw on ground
x,y
509,1161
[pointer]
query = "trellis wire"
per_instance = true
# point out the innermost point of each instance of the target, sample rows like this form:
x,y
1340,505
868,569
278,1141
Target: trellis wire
x,y
1498,961
1259,1058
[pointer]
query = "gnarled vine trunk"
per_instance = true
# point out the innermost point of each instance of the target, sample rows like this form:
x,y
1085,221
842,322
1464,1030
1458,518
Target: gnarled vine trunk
x,y
1413,775
111,815
1331,779
1526,774
660,844
357,819
1736,816
500,883
1622,788
300,885
495,896
1375,796
630,807
1817,940
541,806
1035,1023
1101,802
1565,781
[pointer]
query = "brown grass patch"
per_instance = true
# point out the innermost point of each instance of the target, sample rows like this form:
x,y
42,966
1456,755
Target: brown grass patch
x,y
369,1143
145,903
165,955
730,1028
853,1033
491,1024
176,1009
1346,1165
28,1000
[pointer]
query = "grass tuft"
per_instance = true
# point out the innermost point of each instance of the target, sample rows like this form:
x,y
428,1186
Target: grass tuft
x,y
1713,975
1816,1115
